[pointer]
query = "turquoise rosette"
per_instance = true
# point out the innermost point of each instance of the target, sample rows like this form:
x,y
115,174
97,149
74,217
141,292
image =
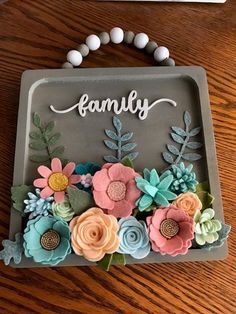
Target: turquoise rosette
x,y
133,237
47,240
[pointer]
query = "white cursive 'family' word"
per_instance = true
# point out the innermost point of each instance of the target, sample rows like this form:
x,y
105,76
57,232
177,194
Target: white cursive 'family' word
x,y
130,103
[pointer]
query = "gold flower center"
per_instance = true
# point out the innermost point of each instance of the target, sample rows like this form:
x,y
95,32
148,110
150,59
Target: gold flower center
x,y
58,181
116,191
169,228
50,240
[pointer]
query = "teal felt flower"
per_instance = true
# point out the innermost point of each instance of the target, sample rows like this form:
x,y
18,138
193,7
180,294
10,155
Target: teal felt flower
x,y
156,189
86,170
133,237
184,180
47,240
35,205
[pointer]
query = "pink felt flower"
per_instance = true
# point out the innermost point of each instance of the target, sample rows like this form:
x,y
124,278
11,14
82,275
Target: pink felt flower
x,y
171,231
114,189
56,180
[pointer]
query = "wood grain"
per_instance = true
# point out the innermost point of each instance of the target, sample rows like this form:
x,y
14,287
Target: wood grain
x,y
37,34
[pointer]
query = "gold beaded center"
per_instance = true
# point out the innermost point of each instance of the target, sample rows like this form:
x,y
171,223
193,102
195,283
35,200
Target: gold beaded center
x,y
58,181
169,228
50,240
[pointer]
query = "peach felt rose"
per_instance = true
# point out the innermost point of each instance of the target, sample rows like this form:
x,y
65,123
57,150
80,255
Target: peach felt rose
x,y
93,234
189,202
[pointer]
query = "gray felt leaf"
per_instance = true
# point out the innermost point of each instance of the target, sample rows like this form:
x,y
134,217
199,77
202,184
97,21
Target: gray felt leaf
x,y
174,150
187,118
49,127
195,131
110,145
177,138
168,157
39,145
18,194
127,136
53,139
117,123
36,120
191,156
111,159
132,156
12,250
223,235
112,135
179,131
35,135
57,151
80,200
128,147
194,145
39,158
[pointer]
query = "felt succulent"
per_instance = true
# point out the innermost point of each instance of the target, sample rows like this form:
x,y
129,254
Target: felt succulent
x,y
223,235
36,205
156,189
87,171
184,180
206,226
63,210
12,250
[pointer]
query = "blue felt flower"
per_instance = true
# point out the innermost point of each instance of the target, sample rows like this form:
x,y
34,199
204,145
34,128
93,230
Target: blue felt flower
x,y
37,206
86,170
47,240
133,238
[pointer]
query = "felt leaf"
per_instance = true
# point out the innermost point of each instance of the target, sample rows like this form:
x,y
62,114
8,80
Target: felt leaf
x,y
112,135
179,131
206,198
127,162
35,135
191,156
117,123
110,145
128,147
39,158
54,139
39,145
57,151
132,156
105,262
49,127
118,258
111,159
203,186
18,195
174,150
187,118
126,136
36,120
168,157
12,250
223,234
195,131
80,200
177,138
194,145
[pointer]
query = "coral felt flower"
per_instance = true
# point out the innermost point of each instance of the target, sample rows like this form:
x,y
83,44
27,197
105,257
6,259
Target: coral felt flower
x,y
56,180
114,189
171,231
94,234
189,202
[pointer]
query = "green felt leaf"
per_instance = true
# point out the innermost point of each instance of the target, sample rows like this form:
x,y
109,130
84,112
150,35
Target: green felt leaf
x,y
206,198
117,123
168,157
203,186
112,135
127,162
57,151
174,150
179,131
194,145
177,138
18,195
191,156
80,200
195,131
105,263
39,158
36,120
118,258
54,139
35,135
128,147
49,127
110,144
39,145
127,136
111,159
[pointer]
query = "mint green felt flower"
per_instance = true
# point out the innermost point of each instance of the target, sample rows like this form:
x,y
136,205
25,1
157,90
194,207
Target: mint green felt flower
x,y
206,226
155,189
63,210
47,240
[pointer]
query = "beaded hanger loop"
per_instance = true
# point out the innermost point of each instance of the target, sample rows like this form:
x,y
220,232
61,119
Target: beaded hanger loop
x,y
117,35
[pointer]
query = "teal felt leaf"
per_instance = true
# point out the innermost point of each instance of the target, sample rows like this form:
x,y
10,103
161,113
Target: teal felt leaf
x,y
127,162
161,200
105,262
145,201
168,157
80,200
179,131
128,147
174,150
12,250
39,158
111,159
53,139
127,136
118,258
39,145
187,118
223,235
18,195
191,156
165,183
151,190
154,177
35,135
57,152
112,135
168,195
146,174
36,120
49,127
132,156
177,138
194,145
195,131
110,145
141,187
117,123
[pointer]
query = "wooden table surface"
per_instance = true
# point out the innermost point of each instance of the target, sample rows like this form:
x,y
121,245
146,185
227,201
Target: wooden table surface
x,y
38,34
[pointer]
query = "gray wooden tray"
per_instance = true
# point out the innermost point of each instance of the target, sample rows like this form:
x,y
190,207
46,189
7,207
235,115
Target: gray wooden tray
x,y
62,88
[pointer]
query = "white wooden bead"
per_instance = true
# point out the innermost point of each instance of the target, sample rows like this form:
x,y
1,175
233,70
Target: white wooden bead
x,y
141,40
161,53
67,65
117,35
74,57
93,42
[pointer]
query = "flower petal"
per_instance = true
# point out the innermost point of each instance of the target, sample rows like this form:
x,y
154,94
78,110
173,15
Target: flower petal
x,y
121,209
69,169
177,214
44,171
186,231
44,224
102,200
32,239
41,255
40,183
101,180
62,249
119,172
132,193
93,255
62,229
172,245
59,196
141,252
46,192
56,165
157,237
159,215
74,179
